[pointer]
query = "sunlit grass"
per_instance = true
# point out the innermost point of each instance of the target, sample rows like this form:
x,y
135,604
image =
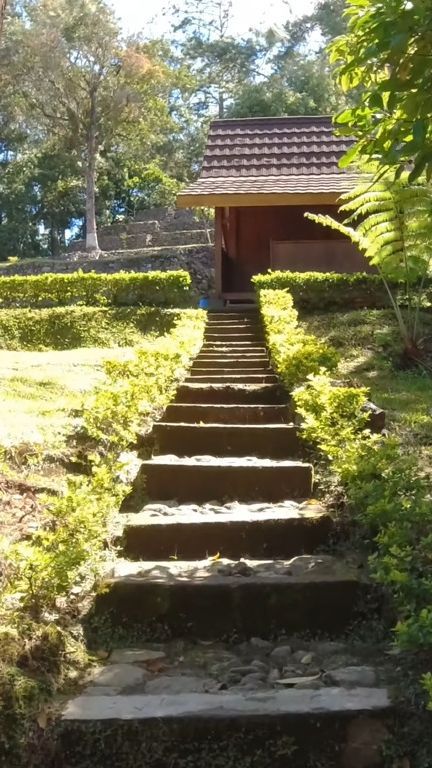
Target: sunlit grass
x,y
369,344
39,390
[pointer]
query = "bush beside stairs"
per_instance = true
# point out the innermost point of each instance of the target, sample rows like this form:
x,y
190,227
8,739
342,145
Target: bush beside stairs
x,y
232,624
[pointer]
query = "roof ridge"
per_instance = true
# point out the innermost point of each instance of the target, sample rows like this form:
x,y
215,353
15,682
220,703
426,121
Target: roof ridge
x,y
263,118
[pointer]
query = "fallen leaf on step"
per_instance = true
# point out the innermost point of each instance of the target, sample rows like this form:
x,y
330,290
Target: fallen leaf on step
x,y
101,654
402,762
296,680
42,719
156,666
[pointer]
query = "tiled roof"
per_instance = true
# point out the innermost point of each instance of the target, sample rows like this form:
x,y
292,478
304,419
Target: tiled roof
x,y
272,154
234,185
273,146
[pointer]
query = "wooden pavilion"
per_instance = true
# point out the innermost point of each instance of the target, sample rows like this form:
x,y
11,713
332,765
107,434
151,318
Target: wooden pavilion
x,y
261,175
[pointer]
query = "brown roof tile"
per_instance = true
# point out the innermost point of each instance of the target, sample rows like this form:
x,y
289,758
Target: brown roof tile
x,y
273,146
303,183
272,154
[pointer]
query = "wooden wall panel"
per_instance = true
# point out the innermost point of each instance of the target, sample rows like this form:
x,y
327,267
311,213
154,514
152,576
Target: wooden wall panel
x,y
256,228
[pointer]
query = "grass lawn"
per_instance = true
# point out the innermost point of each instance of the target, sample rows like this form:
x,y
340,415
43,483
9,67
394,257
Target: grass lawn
x,y
39,390
368,343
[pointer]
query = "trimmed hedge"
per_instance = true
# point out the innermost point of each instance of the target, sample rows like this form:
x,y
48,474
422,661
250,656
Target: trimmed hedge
x,y
327,291
294,353
59,328
157,289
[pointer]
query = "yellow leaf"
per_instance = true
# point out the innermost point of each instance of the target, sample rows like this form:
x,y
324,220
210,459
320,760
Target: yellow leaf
x,y
42,719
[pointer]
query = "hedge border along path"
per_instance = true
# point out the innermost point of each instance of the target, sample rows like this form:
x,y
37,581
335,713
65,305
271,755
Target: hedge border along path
x,y
164,289
327,291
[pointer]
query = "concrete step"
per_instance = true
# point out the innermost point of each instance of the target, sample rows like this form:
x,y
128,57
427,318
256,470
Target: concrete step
x,y
234,343
231,327
233,338
230,370
273,441
193,532
256,394
216,360
228,414
279,728
231,315
220,599
241,348
207,478
268,377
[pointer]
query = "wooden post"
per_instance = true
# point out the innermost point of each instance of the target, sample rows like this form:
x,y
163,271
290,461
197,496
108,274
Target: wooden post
x,y
218,252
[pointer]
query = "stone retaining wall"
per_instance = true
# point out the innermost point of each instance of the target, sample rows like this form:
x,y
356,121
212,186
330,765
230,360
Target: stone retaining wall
x,y
197,260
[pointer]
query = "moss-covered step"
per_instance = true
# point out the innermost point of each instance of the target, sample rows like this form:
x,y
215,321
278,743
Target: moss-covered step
x,y
204,478
274,441
331,726
192,532
219,599
272,394
228,414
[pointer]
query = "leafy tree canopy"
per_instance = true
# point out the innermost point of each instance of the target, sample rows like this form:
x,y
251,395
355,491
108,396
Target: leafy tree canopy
x,y
385,61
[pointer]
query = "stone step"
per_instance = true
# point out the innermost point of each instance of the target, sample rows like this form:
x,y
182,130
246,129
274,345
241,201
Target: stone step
x,y
268,377
230,315
219,361
241,348
273,441
231,370
235,343
233,338
229,326
256,394
217,600
228,414
207,478
193,532
283,727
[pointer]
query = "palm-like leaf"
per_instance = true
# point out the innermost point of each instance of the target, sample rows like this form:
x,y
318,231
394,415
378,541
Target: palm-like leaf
x,y
391,222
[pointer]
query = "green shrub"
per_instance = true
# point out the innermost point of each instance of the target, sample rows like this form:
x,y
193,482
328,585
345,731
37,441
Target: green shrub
x,y
46,578
73,327
327,291
157,289
386,491
294,353
387,494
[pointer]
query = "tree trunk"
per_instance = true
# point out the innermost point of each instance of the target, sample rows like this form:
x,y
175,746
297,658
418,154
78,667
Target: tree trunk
x,y
2,14
221,101
54,242
91,230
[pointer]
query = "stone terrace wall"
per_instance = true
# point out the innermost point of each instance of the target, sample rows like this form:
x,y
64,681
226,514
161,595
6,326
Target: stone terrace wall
x,y
197,260
158,239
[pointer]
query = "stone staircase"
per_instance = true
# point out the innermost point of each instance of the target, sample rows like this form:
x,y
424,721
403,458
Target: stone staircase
x,y
227,619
